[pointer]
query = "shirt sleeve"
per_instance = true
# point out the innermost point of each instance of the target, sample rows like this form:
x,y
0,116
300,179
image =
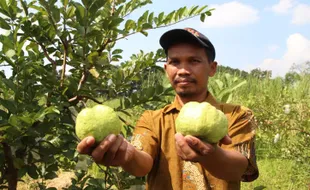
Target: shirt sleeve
x,y
144,137
242,133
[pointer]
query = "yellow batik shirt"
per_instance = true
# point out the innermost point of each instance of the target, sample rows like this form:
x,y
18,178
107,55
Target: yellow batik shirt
x,y
154,134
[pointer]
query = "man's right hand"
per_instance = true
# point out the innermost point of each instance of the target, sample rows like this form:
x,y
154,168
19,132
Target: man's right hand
x,y
114,150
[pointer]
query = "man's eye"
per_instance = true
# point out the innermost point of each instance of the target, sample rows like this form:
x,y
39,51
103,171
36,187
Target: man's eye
x,y
173,62
196,61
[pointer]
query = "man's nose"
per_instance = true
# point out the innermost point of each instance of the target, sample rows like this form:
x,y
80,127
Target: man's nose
x,y
184,69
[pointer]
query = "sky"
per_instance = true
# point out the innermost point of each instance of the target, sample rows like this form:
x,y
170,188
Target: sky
x,y
270,35
247,34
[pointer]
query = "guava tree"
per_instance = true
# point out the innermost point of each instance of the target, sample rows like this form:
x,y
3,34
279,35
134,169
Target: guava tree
x,y
62,56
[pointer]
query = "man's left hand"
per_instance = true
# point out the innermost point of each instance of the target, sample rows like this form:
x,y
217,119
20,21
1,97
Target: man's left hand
x,y
191,148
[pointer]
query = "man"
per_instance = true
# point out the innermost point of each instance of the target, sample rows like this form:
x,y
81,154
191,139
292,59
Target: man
x,y
170,160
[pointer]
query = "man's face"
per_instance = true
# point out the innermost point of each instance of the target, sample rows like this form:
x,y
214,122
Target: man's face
x,y
188,69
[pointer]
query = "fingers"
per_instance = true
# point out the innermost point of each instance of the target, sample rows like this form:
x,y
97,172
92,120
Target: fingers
x,y
102,148
85,146
191,148
197,145
184,150
121,155
179,140
226,140
113,149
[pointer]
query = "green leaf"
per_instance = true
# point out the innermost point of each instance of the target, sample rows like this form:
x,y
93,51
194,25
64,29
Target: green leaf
x,y
45,111
159,89
143,18
144,33
96,5
50,175
202,17
169,17
32,172
4,24
115,22
147,26
130,24
64,2
5,127
126,103
10,53
3,115
160,18
86,3
150,92
192,10
51,188
56,14
117,51
3,5
151,18
201,9
116,57
93,57
10,84
209,13
9,105
180,13
12,5
80,13
70,11
18,163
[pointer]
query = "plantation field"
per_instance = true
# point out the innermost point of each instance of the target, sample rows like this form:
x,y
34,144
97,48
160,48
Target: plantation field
x,y
279,174
63,56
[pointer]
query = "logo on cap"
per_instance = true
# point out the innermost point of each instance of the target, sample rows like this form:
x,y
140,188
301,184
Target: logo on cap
x,y
194,32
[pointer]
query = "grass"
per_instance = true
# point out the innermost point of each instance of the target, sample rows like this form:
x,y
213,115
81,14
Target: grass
x,y
279,174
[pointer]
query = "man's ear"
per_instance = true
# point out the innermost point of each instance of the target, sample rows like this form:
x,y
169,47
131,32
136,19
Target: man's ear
x,y
165,67
213,66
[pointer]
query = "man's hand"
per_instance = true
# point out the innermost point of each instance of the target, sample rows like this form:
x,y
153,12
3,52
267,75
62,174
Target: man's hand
x,y
114,150
190,148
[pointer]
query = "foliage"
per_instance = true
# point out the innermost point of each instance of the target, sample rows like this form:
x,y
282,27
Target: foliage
x,y
63,57
223,86
279,174
282,112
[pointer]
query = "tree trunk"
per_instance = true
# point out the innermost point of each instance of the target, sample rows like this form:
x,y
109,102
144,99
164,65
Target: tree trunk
x,y
12,172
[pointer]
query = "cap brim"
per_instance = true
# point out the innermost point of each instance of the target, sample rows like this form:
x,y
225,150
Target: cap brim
x,y
176,36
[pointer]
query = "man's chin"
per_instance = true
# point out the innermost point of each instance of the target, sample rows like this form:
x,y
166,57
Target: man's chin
x,y
185,94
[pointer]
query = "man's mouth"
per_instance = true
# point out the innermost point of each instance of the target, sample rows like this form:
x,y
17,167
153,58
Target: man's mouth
x,y
184,81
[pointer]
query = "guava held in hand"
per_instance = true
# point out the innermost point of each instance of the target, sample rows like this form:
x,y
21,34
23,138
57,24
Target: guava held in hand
x,y
203,121
98,121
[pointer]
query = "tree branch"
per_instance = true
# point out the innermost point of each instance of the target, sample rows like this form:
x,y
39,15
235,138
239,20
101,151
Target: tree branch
x,y
113,8
46,54
63,72
83,78
300,130
84,97
163,26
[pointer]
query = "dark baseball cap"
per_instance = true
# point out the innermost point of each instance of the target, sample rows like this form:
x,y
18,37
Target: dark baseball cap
x,y
186,35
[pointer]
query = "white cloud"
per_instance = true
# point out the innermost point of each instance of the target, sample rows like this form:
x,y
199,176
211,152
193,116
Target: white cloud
x,y
283,6
273,48
298,48
231,14
301,14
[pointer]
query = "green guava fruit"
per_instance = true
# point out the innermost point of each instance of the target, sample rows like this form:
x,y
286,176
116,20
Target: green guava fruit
x,y
98,121
203,121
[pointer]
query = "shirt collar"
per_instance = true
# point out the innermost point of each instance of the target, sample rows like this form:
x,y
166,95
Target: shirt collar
x,y
176,105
